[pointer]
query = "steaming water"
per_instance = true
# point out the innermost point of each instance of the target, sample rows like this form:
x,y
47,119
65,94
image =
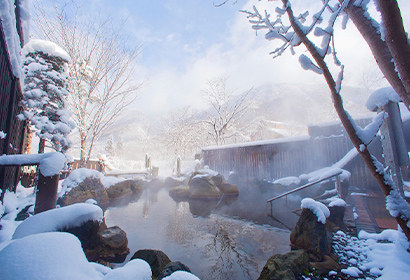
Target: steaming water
x,y
227,239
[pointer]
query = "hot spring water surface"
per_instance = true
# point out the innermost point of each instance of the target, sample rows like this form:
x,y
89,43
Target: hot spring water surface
x,y
227,239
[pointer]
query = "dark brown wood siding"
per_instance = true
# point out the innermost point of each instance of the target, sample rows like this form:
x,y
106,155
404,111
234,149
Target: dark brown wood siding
x,y
293,157
10,97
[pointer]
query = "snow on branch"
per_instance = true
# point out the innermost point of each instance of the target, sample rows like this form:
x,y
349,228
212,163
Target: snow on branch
x,y
45,92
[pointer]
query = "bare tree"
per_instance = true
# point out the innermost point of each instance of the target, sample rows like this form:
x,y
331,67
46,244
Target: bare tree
x,y
182,132
296,34
101,79
226,108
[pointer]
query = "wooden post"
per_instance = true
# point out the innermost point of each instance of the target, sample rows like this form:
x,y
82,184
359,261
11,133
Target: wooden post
x,y
178,166
394,146
338,186
46,195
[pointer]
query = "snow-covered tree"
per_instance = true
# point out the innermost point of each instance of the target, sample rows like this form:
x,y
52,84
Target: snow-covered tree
x,y
390,46
120,146
109,147
45,67
101,79
226,108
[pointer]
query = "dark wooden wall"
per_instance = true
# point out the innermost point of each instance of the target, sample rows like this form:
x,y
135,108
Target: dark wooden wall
x,y
10,97
292,157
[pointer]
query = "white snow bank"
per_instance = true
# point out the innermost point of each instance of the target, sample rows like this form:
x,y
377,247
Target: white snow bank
x,y
46,256
390,260
13,204
2,134
136,269
181,275
46,47
76,177
50,164
381,97
335,201
109,181
287,181
58,219
318,208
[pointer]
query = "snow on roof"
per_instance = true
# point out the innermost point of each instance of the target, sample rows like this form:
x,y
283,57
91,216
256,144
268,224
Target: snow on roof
x,y
318,208
259,143
46,47
381,97
49,163
46,256
12,39
59,219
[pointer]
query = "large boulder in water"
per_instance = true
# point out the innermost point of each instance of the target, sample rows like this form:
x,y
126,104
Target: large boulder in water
x,y
171,268
311,235
110,244
202,186
90,188
123,188
285,266
156,259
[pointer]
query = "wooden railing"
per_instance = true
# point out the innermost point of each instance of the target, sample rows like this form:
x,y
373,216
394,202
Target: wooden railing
x,y
337,175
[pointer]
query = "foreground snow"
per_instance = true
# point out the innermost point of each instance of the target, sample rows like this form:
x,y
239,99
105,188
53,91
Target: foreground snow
x,y
374,256
35,249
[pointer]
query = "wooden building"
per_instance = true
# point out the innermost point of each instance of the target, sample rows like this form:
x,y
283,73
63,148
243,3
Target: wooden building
x,y
274,159
13,140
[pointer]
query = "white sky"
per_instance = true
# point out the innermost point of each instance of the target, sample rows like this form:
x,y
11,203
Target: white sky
x,y
185,43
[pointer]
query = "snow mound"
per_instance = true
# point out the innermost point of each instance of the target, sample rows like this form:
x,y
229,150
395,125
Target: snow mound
x,y
59,219
181,275
76,177
109,181
318,208
335,201
46,256
287,181
381,97
136,269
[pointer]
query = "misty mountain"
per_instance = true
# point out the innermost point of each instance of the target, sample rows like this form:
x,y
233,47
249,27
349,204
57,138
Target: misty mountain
x,y
274,111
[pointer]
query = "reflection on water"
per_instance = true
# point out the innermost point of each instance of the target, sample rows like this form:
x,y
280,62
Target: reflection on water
x,y
214,239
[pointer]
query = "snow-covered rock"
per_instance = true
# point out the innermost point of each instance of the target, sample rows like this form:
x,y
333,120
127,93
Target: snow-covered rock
x,y
46,256
59,219
317,208
133,270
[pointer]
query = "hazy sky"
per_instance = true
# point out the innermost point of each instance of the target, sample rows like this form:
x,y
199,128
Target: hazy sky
x,y
184,43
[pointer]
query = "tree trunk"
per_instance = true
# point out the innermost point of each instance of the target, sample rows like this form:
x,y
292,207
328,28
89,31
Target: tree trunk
x,y
396,39
83,160
346,120
379,48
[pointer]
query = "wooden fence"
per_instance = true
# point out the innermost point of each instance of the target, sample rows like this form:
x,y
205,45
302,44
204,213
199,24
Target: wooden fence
x,y
271,160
